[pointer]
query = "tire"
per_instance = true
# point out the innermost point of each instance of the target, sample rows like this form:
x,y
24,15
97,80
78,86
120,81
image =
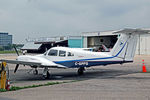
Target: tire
x,y
81,71
47,76
35,72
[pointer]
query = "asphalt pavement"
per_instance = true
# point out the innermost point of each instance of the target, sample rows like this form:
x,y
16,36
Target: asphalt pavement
x,y
113,82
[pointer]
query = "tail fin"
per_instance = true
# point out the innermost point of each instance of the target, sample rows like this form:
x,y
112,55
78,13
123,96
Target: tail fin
x,y
125,47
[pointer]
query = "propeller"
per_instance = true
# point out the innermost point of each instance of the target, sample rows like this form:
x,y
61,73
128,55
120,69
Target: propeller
x,y
17,65
16,50
16,68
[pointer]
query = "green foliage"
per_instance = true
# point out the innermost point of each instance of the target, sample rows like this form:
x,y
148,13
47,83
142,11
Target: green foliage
x,y
1,48
3,90
3,52
15,88
8,47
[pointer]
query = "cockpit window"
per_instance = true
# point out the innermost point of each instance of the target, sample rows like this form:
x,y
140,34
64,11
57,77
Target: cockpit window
x,y
70,54
53,52
62,53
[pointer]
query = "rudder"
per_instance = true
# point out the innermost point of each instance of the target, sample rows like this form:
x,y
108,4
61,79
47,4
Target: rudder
x,y
125,47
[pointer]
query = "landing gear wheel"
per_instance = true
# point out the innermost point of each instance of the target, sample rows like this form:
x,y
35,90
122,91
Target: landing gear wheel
x,y
35,72
81,71
47,75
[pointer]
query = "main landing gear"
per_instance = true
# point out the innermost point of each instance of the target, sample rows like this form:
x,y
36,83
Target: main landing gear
x,y
35,72
46,73
81,71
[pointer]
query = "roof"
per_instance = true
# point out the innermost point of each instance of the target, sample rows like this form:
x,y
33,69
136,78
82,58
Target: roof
x,y
105,33
49,42
31,46
98,33
137,31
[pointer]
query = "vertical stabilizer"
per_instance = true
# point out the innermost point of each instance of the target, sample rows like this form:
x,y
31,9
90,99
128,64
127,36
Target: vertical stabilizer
x,y
125,46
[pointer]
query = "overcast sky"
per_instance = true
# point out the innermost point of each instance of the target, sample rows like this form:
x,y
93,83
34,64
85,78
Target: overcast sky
x,y
46,18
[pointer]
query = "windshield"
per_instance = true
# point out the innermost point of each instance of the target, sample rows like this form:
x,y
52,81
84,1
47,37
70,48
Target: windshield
x,y
53,53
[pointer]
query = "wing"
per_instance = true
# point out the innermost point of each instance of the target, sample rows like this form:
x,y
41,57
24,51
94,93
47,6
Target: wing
x,y
21,62
50,64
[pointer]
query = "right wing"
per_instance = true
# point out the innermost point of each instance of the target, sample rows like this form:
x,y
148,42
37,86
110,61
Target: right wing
x,y
21,62
50,64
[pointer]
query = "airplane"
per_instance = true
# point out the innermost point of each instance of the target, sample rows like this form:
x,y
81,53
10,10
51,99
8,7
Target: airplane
x,y
64,57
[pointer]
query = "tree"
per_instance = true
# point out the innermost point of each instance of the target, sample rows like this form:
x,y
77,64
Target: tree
x,y
1,48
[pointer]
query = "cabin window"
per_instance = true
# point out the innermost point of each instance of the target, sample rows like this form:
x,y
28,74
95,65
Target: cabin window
x,y
53,52
62,53
70,54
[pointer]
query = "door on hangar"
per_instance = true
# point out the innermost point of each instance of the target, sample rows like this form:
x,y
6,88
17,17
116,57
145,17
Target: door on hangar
x,y
97,41
143,46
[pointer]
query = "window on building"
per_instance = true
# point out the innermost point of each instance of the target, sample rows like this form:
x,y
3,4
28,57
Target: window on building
x,y
62,53
53,52
101,40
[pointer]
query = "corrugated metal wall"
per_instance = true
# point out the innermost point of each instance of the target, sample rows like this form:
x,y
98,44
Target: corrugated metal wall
x,y
143,46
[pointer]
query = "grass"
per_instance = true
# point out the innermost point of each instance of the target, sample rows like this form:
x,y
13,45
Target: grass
x,y
3,52
15,88
3,90
6,52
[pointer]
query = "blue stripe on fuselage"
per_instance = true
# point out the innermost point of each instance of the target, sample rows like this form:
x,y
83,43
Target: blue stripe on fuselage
x,y
71,63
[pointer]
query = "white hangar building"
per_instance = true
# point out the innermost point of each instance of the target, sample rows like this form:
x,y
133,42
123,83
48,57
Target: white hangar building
x,y
107,38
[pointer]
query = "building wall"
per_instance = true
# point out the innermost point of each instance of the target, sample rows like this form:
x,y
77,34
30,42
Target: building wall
x,y
5,39
85,43
143,45
75,42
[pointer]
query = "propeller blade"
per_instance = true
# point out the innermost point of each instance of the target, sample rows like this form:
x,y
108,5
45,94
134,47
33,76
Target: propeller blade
x,y
16,50
16,68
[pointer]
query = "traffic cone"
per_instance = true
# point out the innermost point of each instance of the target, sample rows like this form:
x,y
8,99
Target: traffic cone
x,y
8,85
144,67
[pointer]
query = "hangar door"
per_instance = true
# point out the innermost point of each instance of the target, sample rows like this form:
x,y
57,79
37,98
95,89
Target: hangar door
x,y
97,41
143,46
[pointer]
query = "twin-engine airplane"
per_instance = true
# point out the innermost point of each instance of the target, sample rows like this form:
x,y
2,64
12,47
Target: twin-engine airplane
x,y
63,57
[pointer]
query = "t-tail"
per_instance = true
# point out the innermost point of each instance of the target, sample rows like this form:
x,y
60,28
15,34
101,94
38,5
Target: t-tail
x,y
125,47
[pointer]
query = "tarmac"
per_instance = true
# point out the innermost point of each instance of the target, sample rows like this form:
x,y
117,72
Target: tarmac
x,y
112,82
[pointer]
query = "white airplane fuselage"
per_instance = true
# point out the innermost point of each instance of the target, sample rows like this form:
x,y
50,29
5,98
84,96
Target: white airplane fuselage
x,y
73,58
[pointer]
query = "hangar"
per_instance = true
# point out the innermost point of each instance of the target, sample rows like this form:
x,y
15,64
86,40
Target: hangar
x,y
87,40
42,45
96,39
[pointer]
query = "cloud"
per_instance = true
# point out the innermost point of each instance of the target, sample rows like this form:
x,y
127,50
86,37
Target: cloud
x,y
46,18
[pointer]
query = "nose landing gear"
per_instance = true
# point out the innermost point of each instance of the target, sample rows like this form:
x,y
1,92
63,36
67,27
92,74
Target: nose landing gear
x,y
46,73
